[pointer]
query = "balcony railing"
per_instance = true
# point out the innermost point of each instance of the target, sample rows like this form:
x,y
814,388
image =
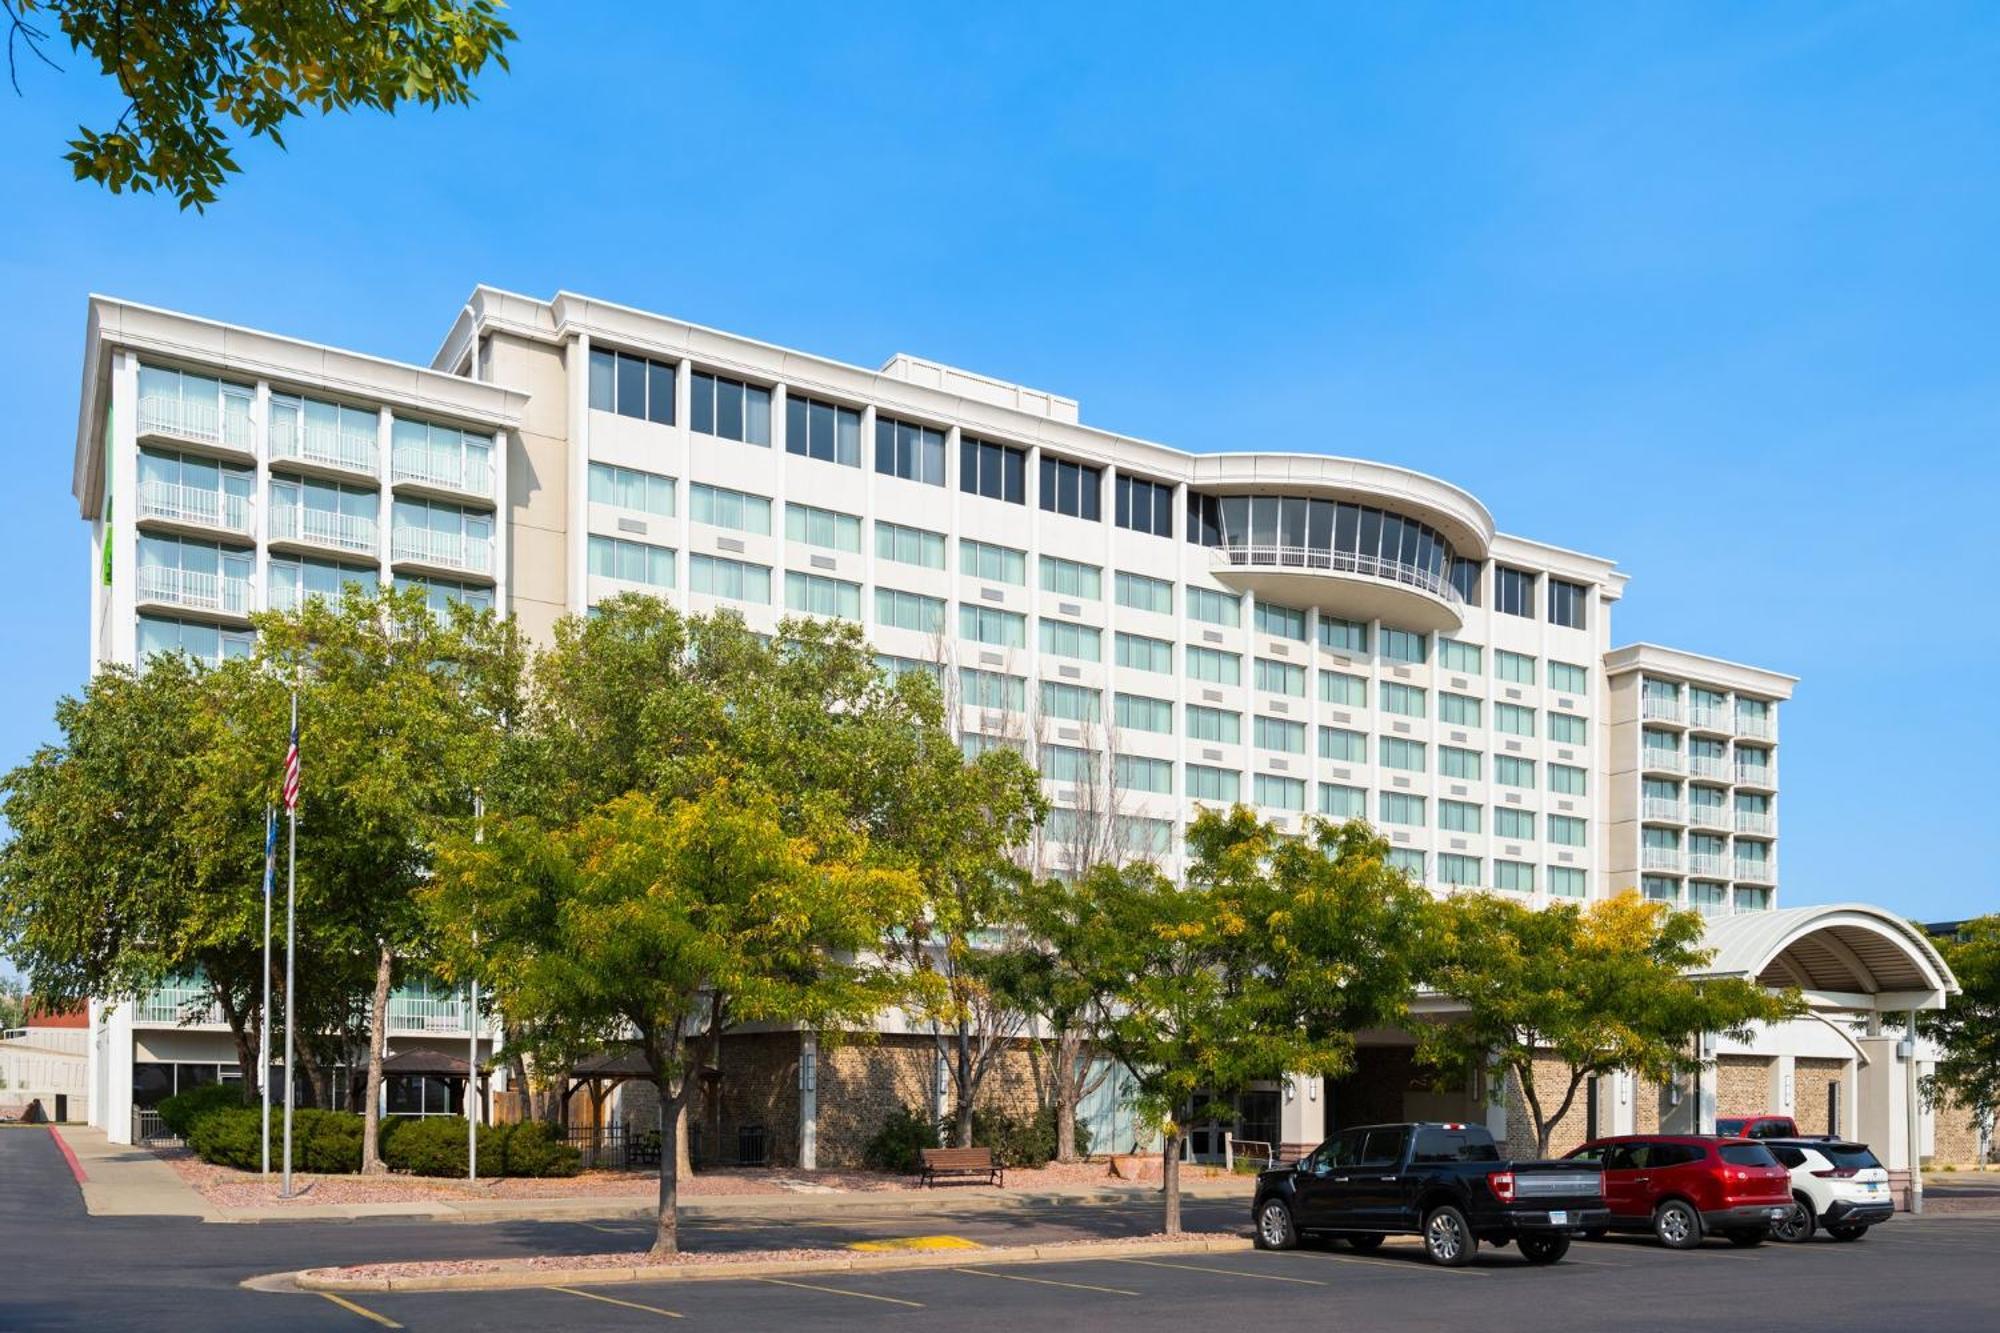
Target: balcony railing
x,y
1708,766
1756,775
1709,816
197,419
197,505
1660,858
194,590
1656,709
1659,807
177,1005
1757,872
1273,556
451,550
313,443
1755,727
1664,761
448,471
1759,822
1709,717
1708,863
426,1013
322,527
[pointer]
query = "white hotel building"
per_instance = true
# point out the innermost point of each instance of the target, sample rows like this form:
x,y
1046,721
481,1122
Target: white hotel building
x,y
1306,634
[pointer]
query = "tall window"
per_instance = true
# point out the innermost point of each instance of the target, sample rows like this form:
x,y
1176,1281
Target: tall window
x,y
631,386
1060,638
442,533
630,561
1216,608
1565,882
627,488
1513,719
1070,488
1219,725
1516,668
1216,668
1454,868
730,409
1214,784
1143,653
1454,762
1280,622
1514,876
205,643
293,579
987,624
1274,677
1133,772
1276,733
1403,700
992,689
1513,825
735,580
440,455
1401,808
1145,506
1459,816
1568,678
1404,754
822,527
818,595
1566,830
1343,636
1280,793
1465,580
1408,860
1337,687
910,610
910,451
1566,601
1144,593
826,431
1464,657
1343,746
1338,802
1568,780
722,508
1513,592
1458,710
1509,771
440,595
996,471
1568,729
909,546
995,564
1072,578
1066,763
1139,712
1071,703
1402,645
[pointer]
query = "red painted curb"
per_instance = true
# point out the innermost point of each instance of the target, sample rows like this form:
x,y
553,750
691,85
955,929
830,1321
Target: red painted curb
x,y
75,1167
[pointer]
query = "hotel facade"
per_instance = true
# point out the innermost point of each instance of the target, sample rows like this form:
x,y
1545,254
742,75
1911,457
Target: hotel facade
x,y
1163,630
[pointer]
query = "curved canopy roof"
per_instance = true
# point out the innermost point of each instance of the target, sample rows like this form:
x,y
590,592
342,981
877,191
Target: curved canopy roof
x,y
1843,956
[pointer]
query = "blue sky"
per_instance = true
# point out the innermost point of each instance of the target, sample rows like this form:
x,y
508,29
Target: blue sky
x,y
1709,290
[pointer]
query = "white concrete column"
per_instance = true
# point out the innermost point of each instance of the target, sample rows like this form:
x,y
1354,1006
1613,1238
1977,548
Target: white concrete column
x,y
1913,1113
808,1101
123,496
578,508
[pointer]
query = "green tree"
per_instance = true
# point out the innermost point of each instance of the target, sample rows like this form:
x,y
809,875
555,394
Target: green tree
x,y
1270,959
1598,990
190,73
1967,1029
631,917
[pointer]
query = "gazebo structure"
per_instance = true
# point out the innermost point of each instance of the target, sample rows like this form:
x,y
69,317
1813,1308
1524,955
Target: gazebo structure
x,y
427,1082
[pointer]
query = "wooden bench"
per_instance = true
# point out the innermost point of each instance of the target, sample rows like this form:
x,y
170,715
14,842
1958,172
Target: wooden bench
x,y
958,1162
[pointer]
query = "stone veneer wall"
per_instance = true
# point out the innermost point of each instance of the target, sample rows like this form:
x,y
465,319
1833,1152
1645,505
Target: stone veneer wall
x,y
759,1087
1551,1082
1813,1078
862,1082
1743,1084
1955,1135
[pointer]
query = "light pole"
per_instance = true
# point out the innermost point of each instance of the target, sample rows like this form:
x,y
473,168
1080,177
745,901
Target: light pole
x,y
472,1024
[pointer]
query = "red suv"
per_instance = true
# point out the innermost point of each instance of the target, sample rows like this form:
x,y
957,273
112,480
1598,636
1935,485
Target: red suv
x,y
1682,1187
1757,1127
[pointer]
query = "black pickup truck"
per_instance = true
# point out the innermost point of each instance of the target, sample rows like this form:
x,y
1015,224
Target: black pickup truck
x,y
1445,1183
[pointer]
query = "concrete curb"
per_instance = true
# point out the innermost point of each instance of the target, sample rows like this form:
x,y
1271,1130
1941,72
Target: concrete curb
x,y
516,1279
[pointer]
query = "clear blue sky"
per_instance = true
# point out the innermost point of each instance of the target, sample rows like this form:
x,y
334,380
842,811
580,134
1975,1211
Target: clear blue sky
x,y
1709,291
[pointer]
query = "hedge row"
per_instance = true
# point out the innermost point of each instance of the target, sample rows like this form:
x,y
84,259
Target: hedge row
x,y
329,1143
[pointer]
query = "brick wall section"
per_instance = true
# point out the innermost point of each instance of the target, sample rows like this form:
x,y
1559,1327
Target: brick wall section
x,y
1650,1099
1743,1084
1813,1078
1551,1082
1955,1137
862,1082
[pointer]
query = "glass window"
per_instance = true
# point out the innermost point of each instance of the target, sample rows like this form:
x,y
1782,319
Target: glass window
x,y
631,386
995,471
1566,881
1145,506
1066,763
1070,488
1517,668
910,451
1459,816
1402,645
1566,602
909,546
1458,710
1280,622
995,564
1465,580
1337,687
735,580
1214,724
1139,712
1509,771
1343,636
626,488
825,431
293,579
1513,719
1456,656
1514,876
1401,808
1214,784
1279,793
816,594
1456,763
1131,772
1343,746
987,624
1143,653
1404,754
1072,578
1408,860
730,409
1568,678
1513,825
1216,668
1338,802
1513,592
1276,733
822,527
1143,593
630,561
910,610
1403,700
1072,703
722,508
1567,780
1567,728
1060,638
1275,677
992,689
1215,608
1456,869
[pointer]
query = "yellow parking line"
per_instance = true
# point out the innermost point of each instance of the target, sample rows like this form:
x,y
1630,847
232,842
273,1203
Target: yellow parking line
x,y
841,1291
1044,1281
611,1300
1226,1272
361,1310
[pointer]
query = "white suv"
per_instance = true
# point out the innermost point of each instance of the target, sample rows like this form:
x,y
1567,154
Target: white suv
x,y
1839,1186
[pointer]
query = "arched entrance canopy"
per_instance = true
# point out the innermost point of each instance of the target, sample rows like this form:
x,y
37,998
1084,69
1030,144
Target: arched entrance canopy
x,y
1847,957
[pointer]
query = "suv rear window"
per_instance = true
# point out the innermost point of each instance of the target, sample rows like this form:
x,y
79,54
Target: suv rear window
x,y
1747,1154
1849,1156
1455,1145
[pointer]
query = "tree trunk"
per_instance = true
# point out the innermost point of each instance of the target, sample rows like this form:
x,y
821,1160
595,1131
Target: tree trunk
x,y
961,1116
1170,1180
1069,1083
683,1160
378,1025
673,1110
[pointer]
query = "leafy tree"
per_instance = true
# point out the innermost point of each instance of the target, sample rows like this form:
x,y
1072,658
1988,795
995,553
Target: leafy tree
x,y
1967,1030
629,918
1598,990
1277,951
188,71
13,1005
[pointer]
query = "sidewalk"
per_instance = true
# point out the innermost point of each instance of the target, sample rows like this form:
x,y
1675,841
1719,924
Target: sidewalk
x,y
127,1182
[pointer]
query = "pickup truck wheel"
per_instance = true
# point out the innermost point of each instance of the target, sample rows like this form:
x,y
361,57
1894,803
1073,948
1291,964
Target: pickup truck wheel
x,y
1448,1240
1366,1242
1274,1227
1798,1225
1544,1249
1677,1225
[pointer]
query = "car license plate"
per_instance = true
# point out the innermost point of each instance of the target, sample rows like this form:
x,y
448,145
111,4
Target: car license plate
x,y
1559,1219
1876,1187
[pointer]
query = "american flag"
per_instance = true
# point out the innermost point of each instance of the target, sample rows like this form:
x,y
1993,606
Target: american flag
x,y
292,772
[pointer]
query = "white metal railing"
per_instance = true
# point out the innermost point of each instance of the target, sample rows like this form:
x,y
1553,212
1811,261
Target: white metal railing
x,y
194,419
1659,807
452,550
1756,775
314,443
451,471
426,1013
1664,761
177,1005
1757,728
323,527
1708,766
195,504
1708,863
1756,821
1265,555
195,590
1709,816
1709,717
1656,709
1660,858
1757,872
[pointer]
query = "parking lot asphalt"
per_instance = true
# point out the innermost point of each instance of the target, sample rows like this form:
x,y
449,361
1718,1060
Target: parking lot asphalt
x,y
66,1270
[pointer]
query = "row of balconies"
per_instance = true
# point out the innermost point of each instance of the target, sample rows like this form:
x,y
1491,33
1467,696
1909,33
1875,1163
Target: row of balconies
x,y
1658,759
356,452
411,1012
1708,865
1660,810
1723,721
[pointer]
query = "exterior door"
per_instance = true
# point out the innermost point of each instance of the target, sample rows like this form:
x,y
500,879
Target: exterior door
x,y
1375,1187
1319,1194
1621,1180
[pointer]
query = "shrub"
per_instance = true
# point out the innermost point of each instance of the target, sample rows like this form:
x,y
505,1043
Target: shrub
x,y
433,1146
896,1144
532,1148
178,1114
1023,1141
323,1142
230,1138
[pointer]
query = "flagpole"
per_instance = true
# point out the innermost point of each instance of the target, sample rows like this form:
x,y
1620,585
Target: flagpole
x,y
291,920
264,1036
472,1102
